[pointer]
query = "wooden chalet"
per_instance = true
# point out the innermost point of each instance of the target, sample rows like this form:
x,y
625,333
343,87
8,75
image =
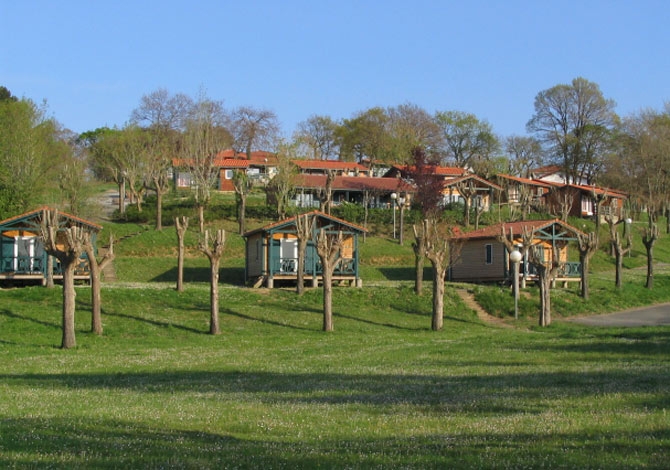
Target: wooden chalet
x,y
515,187
22,255
375,192
259,165
322,167
272,253
482,257
582,200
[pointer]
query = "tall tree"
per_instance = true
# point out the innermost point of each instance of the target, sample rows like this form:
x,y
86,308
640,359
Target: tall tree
x,y
317,134
409,127
204,136
469,142
30,153
254,129
525,154
575,124
364,136
428,197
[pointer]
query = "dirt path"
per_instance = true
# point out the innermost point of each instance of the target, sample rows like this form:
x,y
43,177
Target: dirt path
x,y
470,301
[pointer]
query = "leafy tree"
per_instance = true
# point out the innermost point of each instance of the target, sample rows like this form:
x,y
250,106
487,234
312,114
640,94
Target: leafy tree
x,y
575,124
525,154
364,136
317,135
6,95
410,126
30,153
468,141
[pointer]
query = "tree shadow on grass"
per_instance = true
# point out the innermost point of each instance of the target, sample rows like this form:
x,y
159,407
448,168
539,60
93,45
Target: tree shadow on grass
x,y
402,273
370,322
264,321
161,324
233,276
11,314
61,442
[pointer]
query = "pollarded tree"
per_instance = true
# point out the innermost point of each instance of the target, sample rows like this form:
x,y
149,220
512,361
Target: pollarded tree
x,y
437,250
328,245
304,225
588,245
282,185
96,267
181,226
214,252
618,248
242,184
575,124
547,269
66,243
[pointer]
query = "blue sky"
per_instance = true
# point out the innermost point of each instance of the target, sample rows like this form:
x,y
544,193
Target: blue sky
x,y
92,61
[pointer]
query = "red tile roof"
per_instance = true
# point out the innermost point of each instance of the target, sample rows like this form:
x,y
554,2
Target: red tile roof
x,y
291,219
517,228
528,181
355,183
329,165
437,170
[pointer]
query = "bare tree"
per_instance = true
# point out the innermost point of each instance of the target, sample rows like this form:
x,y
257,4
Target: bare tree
x,y
649,238
525,153
437,237
181,226
66,243
326,193
547,269
588,245
282,185
328,245
242,185
618,249
214,253
204,136
304,225
254,129
96,267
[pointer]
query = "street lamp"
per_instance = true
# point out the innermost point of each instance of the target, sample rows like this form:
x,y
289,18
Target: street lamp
x,y
515,257
394,196
401,203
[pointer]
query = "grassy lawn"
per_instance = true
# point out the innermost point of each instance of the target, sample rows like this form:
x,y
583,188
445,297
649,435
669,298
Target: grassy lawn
x,y
382,391
273,391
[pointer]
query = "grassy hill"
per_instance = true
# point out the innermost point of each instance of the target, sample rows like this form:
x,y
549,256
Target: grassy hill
x,y
273,391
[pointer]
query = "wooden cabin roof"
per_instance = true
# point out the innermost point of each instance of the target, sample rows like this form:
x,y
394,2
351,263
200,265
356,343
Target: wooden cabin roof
x,y
291,221
355,183
517,228
21,219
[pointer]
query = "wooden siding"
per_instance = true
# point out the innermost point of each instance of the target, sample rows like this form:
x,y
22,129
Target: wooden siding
x,y
471,264
256,258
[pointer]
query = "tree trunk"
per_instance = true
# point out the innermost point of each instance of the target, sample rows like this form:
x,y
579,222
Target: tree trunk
x,y
50,272
96,316
438,297
618,255
466,211
242,212
181,225
419,247
302,250
545,296
650,265
69,296
327,300
214,298
122,196
159,209
201,217
585,260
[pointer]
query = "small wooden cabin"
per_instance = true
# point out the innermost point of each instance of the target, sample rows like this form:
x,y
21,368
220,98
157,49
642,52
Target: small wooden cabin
x,y
484,258
272,252
22,255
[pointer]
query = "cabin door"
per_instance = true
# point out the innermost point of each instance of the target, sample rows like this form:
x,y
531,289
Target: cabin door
x,y
24,254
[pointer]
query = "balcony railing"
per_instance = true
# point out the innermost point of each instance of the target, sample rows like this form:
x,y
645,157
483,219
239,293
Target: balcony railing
x,y
343,266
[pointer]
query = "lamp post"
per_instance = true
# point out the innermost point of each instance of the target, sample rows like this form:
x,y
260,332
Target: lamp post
x,y
401,202
515,257
394,197
627,233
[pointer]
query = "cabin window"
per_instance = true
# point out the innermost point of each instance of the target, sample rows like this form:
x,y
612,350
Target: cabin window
x,y
229,174
489,253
